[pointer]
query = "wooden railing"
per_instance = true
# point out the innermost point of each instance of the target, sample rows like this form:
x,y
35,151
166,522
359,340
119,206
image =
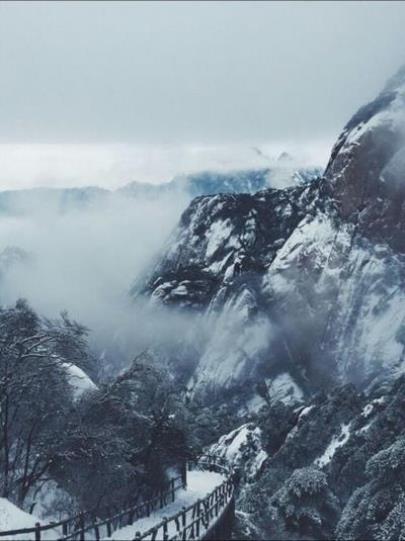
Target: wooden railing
x,y
100,529
205,519
75,528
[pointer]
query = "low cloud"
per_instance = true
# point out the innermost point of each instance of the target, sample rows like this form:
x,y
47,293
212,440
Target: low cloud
x,y
111,166
85,261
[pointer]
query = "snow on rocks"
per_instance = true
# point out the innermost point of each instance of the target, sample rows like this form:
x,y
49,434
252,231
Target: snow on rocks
x,y
284,389
217,236
336,442
78,380
305,411
242,446
238,338
359,286
301,417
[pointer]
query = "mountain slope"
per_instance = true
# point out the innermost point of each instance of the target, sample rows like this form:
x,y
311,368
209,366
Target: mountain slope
x,y
345,447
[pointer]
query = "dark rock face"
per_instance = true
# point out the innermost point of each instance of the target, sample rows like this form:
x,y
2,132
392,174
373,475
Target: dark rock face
x,y
366,171
226,236
305,283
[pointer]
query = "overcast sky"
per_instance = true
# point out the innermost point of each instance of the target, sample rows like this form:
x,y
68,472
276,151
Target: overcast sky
x,y
190,74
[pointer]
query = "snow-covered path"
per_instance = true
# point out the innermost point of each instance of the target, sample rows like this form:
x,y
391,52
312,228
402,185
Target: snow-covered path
x,y
199,484
14,518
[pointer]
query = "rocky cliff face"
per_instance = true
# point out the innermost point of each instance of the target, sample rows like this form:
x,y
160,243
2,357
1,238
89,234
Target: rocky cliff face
x,y
306,284
366,171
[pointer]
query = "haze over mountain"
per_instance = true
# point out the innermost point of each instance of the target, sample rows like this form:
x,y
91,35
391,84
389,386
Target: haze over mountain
x,y
296,337
88,244
202,310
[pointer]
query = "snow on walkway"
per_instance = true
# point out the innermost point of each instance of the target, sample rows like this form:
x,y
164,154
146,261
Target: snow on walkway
x,y
14,518
199,485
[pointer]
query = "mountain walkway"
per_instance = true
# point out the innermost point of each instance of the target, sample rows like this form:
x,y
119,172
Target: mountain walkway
x,y
210,516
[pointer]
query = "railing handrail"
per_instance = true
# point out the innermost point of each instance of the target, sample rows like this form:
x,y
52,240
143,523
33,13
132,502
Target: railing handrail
x,y
226,488
177,515
144,505
90,514
147,506
195,521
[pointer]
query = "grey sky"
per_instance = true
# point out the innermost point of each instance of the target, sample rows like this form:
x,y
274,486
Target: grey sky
x,y
215,72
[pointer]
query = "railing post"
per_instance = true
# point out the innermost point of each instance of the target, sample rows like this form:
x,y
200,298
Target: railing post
x,y
172,489
81,522
198,505
109,529
206,517
37,531
165,530
216,502
184,473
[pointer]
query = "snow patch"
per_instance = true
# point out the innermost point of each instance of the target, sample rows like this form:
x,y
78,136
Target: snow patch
x,y
304,412
242,445
78,380
217,234
284,389
14,518
336,442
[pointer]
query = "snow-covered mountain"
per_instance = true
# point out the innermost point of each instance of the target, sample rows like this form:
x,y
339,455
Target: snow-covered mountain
x,y
305,282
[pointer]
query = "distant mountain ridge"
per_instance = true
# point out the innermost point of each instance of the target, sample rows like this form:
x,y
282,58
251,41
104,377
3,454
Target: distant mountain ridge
x,y
238,181
190,185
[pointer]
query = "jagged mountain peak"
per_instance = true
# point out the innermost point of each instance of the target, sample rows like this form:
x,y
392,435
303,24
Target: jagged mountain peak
x,y
397,81
285,157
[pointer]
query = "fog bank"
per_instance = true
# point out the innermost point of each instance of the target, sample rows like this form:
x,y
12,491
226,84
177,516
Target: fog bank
x,y
84,261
